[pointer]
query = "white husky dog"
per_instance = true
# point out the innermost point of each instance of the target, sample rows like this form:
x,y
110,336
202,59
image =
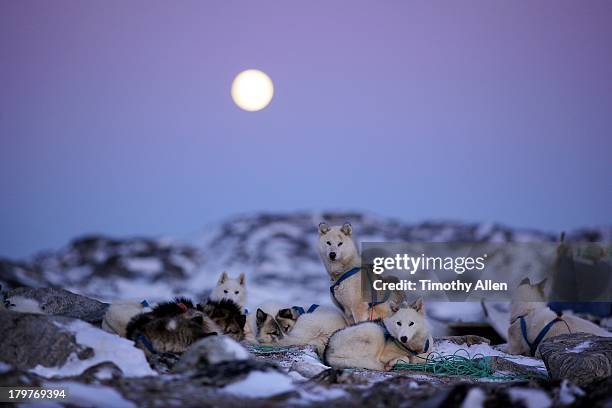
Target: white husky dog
x,y
309,326
531,321
230,288
120,313
343,263
379,345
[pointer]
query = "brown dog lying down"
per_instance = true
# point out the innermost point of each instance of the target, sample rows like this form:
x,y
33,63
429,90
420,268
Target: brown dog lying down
x,y
171,327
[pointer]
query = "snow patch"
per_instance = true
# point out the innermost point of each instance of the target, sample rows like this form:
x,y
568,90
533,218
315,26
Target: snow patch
x,y
146,266
5,367
259,384
475,398
568,393
107,347
239,352
529,397
580,347
92,396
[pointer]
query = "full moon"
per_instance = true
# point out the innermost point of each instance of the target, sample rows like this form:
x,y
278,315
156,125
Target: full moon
x,y
252,90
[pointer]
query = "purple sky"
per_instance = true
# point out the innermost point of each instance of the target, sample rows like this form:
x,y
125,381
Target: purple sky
x,y
115,116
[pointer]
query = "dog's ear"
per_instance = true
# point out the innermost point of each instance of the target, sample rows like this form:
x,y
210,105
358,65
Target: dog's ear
x,y
347,229
222,278
324,228
241,279
242,321
542,285
199,319
261,317
285,313
525,281
395,306
418,305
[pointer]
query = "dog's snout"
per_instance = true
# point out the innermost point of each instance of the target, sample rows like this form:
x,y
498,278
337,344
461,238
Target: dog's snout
x,y
404,339
332,255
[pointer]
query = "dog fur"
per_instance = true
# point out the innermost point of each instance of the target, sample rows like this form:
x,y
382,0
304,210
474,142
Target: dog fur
x,y
529,301
364,345
233,289
339,254
171,327
312,329
227,315
267,330
119,315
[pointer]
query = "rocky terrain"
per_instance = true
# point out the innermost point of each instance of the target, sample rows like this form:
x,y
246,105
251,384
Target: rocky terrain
x,y
62,345
276,251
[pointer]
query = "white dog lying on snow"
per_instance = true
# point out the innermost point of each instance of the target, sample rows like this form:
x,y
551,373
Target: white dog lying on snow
x,y
379,345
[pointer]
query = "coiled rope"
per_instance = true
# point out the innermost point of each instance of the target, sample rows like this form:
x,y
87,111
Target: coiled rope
x,y
476,366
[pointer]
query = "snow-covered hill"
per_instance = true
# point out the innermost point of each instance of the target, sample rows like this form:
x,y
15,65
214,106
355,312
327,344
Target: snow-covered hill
x,y
276,251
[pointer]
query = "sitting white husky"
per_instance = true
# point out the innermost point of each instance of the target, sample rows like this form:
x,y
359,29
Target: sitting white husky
x,y
310,326
230,288
531,321
343,263
379,345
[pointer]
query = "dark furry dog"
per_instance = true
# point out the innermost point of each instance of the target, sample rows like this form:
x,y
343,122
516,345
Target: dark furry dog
x,y
227,315
171,327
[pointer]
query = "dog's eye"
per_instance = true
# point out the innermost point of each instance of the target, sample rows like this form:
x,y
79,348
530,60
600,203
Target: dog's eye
x,y
236,292
339,243
225,291
411,323
399,323
328,243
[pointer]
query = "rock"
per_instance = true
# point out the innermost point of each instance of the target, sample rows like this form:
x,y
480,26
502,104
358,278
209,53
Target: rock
x,y
510,368
308,369
219,375
211,350
337,376
102,371
56,302
579,357
467,340
529,397
29,340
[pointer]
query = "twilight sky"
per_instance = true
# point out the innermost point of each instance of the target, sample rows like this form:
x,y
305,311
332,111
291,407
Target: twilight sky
x,y
115,116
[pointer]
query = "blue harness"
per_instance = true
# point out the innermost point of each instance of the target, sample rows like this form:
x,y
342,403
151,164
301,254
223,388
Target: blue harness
x,y
534,346
388,336
300,310
347,275
146,342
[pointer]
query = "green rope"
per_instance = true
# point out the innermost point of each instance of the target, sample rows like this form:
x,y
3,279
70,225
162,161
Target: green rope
x,y
477,366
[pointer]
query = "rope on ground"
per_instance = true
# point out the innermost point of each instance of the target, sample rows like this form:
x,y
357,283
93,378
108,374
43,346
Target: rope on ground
x,y
477,366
